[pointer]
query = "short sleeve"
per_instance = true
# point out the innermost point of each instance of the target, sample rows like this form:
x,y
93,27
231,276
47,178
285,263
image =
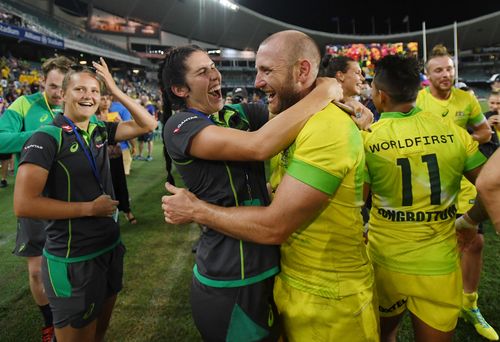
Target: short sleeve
x,y
476,115
326,150
474,157
40,149
180,130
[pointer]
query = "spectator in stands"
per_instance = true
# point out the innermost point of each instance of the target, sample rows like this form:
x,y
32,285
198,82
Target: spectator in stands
x,y
148,137
240,95
83,251
494,82
493,115
259,97
17,124
463,86
461,108
325,285
415,258
3,105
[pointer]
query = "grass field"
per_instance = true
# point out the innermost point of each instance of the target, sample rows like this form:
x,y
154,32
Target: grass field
x,y
154,303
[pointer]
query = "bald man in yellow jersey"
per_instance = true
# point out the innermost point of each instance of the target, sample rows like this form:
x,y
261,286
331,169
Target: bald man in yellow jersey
x,y
463,109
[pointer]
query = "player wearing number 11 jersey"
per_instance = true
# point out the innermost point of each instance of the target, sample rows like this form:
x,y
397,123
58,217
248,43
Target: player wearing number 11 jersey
x,y
414,165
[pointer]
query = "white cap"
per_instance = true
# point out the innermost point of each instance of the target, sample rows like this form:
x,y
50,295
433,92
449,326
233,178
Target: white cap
x,y
494,78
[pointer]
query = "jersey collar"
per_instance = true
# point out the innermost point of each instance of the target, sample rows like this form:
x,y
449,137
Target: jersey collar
x,y
399,115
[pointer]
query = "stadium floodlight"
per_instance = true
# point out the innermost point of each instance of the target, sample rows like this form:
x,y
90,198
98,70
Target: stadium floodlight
x,y
83,62
228,4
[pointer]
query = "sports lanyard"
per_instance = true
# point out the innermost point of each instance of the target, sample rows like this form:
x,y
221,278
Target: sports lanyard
x,y
201,114
88,153
48,106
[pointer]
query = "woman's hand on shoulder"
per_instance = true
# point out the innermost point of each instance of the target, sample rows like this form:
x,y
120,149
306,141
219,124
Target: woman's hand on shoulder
x,y
362,116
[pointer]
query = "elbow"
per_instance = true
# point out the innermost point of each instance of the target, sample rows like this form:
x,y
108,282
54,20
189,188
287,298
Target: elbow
x,y
484,186
153,125
261,154
258,149
150,126
488,190
20,209
277,235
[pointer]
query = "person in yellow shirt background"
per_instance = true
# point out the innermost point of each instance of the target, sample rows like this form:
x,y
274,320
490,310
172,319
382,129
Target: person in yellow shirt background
x,y
462,108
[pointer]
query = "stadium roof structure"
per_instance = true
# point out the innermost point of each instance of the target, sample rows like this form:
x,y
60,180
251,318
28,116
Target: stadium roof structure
x,y
243,29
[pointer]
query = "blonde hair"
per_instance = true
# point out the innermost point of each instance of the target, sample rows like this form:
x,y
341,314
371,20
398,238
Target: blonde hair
x,y
438,51
76,69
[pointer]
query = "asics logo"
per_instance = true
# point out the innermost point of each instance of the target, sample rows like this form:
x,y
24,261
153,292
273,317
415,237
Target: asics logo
x,y
74,147
44,118
270,317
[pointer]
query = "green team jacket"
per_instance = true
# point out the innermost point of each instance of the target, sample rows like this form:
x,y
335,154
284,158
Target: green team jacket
x,y
23,117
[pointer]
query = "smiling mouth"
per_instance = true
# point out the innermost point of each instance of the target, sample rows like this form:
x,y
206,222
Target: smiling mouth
x,y
270,95
85,104
216,92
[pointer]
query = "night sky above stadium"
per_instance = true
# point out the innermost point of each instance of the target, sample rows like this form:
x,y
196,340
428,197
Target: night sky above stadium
x,y
366,17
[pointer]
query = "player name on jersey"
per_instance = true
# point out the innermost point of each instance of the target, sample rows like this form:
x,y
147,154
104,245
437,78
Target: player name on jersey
x,y
412,142
418,216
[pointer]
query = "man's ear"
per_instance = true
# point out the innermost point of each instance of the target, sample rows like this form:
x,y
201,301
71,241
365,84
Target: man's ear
x,y
181,91
304,69
384,98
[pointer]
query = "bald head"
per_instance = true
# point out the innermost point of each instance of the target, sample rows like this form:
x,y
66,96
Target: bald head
x,y
294,46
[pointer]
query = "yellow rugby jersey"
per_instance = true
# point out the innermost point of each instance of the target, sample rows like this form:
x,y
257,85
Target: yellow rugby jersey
x,y
463,109
327,257
415,162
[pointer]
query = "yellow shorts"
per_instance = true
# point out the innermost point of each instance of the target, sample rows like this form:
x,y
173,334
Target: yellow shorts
x,y
436,300
307,317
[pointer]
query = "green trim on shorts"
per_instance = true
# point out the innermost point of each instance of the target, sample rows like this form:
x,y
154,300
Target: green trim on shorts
x,y
234,283
83,257
58,275
243,328
182,163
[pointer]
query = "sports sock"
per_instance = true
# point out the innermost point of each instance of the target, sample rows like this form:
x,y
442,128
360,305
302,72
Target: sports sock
x,y
47,314
470,300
